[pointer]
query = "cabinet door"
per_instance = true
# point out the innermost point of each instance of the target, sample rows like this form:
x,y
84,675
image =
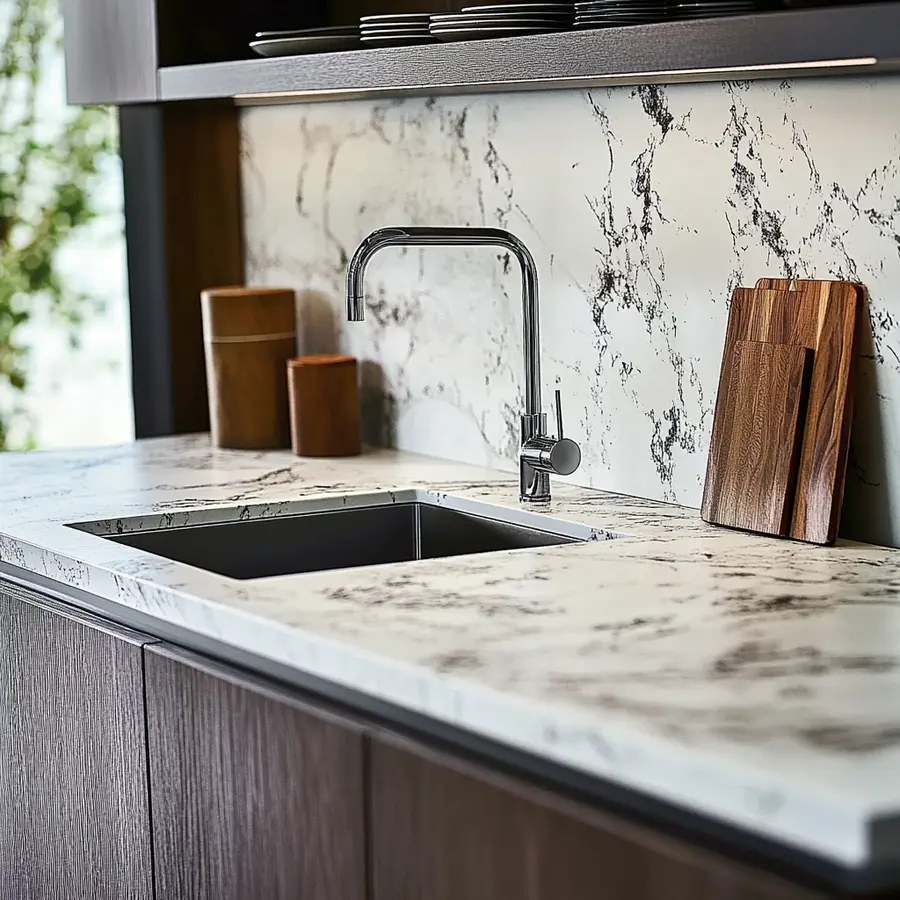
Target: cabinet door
x,y
111,51
445,830
73,767
254,794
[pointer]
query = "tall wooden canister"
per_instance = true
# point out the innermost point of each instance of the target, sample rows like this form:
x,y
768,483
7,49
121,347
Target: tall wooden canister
x,y
248,334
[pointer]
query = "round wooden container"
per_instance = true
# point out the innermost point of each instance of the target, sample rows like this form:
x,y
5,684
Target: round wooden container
x,y
248,335
324,402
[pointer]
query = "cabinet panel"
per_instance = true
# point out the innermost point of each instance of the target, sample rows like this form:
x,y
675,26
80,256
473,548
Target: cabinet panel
x,y
73,766
254,795
445,830
111,51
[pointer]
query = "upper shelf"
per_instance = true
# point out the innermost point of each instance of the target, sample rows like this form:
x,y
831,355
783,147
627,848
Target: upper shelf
x,y
861,38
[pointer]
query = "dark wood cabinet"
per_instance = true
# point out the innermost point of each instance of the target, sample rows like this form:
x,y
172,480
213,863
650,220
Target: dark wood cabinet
x,y
255,794
442,829
73,766
134,770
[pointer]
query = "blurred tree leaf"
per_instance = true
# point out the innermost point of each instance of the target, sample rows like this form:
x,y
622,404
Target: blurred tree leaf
x,y
48,172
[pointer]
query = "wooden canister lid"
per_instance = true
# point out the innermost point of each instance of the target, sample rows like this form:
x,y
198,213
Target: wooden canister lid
x,y
243,312
321,359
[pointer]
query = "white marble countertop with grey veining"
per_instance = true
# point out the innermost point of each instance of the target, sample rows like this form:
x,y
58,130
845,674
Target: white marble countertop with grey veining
x,y
753,681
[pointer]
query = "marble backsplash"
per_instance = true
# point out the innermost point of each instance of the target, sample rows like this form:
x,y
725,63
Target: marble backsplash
x,y
643,208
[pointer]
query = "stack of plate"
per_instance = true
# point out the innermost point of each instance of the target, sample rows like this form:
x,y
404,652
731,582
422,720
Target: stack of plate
x,y
610,13
703,9
506,20
306,40
396,30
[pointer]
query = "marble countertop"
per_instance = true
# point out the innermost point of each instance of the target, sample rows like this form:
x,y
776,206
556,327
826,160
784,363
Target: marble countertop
x,y
753,681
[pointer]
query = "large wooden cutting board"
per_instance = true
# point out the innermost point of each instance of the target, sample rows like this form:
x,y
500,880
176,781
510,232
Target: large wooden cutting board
x,y
756,437
821,316
830,312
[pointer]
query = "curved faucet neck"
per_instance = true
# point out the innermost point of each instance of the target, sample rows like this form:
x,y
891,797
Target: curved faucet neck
x,y
451,237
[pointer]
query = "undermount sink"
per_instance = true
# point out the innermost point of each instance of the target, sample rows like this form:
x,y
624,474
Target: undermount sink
x,y
337,533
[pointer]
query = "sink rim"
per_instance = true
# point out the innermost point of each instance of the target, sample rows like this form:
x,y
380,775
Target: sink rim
x,y
235,513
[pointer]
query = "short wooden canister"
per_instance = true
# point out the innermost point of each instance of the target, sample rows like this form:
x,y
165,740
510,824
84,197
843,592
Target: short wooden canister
x,y
248,334
324,400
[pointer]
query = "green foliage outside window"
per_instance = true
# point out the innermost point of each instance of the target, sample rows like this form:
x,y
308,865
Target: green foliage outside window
x,y
48,172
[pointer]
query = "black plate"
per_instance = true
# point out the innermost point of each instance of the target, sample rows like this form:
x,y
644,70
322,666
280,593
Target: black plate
x,y
713,4
616,23
308,32
395,18
479,34
519,7
396,26
473,22
624,10
515,14
619,4
598,18
624,7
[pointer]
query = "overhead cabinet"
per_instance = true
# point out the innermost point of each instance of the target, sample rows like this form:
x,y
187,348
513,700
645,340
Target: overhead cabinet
x,y
133,51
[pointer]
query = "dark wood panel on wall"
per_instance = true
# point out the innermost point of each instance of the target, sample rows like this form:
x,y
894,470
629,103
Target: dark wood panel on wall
x,y
75,819
254,794
184,231
444,829
110,50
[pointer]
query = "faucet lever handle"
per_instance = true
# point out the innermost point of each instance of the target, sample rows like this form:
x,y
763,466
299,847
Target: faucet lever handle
x,y
559,419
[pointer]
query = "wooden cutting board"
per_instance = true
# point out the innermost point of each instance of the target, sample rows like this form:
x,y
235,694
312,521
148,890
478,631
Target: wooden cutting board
x,y
830,312
757,434
822,317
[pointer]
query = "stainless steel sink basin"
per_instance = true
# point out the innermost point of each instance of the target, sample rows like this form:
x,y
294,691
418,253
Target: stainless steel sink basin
x,y
342,533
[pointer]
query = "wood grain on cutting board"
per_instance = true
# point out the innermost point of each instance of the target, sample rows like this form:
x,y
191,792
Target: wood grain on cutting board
x,y
828,316
755,447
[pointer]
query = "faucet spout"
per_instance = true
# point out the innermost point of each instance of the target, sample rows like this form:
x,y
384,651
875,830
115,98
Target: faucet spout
x,y
454,237
539,455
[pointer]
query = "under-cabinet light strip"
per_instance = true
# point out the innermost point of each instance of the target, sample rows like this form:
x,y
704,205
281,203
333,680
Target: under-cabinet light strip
x,y
584,80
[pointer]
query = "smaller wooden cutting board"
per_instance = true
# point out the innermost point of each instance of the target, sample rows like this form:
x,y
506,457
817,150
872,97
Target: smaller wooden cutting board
x,y
757,435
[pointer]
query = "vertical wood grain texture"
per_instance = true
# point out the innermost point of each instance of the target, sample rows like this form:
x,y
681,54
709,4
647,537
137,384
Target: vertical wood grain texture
x,y
184,233
755,446
254,795
111,51
446,830
73,773
835,308
824,321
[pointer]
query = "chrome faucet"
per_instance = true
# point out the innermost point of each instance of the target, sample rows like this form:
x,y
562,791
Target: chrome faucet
x,y
540,455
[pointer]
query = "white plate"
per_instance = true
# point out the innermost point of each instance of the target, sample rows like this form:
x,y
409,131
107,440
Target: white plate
x,y
325,43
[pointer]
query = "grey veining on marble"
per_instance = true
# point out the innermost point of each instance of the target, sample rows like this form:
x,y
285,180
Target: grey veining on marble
x,y
643,207
751,680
